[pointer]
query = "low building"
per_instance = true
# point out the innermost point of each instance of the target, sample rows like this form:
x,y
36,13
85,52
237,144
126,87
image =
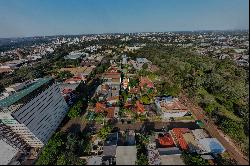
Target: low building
x,y
14,64
73,80
165,140
171,160
211,145
7,152
145,83
200,134
76,55
177,135
170,107
94,160
5,69
126,155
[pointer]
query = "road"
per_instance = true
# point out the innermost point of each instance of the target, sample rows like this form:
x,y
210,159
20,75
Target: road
x,y
232,149
78,125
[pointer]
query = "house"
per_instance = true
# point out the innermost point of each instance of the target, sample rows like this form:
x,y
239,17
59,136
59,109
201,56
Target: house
x,y
112,77
73,80
5,69
139,108
126,155
112,112
129,138
165,140
170,107
109,149
211,145
124,59
177,134
145,82
112,100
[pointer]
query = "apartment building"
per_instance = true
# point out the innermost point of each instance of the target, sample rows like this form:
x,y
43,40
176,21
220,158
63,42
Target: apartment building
x,y
29,117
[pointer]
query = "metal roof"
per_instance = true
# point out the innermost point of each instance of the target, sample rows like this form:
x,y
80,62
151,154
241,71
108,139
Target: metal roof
x,y
8,101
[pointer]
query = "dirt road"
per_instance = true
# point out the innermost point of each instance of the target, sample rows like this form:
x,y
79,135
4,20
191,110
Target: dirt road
x,y
232,149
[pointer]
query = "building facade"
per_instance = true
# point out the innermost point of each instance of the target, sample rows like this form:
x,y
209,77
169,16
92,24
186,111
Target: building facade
x,y
33,114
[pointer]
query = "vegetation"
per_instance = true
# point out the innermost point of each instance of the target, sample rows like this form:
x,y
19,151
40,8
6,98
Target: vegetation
x,y
145,99
64,75
75,110
220,87
104,132
133,82
193,159
1,88
141,142
64,149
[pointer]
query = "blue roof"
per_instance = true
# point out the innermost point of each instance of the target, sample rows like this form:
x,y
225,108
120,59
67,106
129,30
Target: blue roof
x,y
8,101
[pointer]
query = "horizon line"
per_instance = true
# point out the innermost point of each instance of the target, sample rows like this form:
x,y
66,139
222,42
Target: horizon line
x,y
244,29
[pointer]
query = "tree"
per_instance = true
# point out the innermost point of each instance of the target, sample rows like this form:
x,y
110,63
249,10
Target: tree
x,y
145,66
103,132
234,129
63,160
133,82
1,88
75,110
51,150
193,159
64,75
145,99
142,160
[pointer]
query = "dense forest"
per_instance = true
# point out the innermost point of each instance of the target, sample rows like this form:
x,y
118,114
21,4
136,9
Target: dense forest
x,y
220,87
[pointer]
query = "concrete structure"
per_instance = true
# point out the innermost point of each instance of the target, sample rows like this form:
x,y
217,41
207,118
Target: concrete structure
x,y
211,145
7,152
76,55
94,160
126,155
28,118
171,160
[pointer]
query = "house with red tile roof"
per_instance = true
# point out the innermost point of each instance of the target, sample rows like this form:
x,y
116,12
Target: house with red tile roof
x,y
139,108
112,112
177,134
145,82
166,141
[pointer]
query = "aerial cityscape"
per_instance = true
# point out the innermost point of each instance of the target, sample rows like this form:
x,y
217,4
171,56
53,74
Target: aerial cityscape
x,y
84,83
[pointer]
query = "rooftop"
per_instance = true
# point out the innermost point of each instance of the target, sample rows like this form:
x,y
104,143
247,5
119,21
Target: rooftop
x,y
171,160
7,152
8,101
126,155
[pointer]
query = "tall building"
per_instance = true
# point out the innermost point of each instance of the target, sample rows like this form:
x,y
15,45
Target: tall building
x,y
29,117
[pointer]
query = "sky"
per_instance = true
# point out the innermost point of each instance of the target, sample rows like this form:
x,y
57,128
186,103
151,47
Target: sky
x,y
22,18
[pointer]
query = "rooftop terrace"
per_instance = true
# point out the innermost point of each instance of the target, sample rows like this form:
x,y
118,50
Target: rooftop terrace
x,y
8,101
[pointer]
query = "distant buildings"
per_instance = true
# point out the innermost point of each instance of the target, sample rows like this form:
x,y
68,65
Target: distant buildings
x,y
139,63
76,55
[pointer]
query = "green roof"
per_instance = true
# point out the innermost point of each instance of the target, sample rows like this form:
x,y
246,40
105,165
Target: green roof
x,y
8,101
